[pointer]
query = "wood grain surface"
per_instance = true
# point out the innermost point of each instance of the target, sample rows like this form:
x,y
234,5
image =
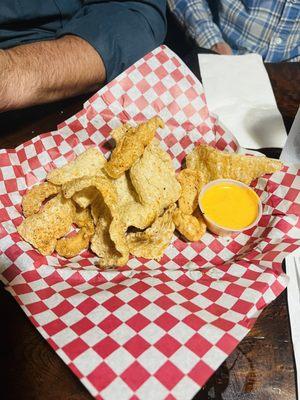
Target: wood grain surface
x,y
262,366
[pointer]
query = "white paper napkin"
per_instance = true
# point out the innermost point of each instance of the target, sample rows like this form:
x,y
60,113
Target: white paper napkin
x,y
239,93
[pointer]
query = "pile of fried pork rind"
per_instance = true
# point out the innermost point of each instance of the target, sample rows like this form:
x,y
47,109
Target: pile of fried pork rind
x,y
130,204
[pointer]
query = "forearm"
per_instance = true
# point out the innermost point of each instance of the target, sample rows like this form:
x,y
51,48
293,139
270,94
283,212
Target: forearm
x,y
47,71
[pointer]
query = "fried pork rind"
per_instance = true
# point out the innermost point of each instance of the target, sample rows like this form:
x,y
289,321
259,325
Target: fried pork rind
x,y
96,208
101,243
153,178
191,182
132,212
216,164
119,132
44,228
118,254
89,163
85,197
192,227
71,246
152,242
83,218
130,146
109,241
33,199
112,252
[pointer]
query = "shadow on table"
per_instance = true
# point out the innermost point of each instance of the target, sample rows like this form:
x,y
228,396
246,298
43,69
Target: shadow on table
x,y
216,385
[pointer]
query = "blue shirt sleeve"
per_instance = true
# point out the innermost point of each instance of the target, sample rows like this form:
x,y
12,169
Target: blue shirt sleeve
x,y
121,32
196,18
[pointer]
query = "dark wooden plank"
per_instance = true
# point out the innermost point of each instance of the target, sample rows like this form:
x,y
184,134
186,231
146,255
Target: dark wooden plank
x,y
262,366
19,126
285,79
30,369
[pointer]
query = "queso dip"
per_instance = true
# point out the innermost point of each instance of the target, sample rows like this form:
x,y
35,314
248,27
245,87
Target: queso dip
x,y
230,205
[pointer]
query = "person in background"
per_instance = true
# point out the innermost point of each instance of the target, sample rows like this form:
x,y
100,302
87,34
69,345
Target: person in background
x,y
270,28
54,49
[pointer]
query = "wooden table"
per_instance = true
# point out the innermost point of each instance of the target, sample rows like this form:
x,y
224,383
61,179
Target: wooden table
x,y
261,368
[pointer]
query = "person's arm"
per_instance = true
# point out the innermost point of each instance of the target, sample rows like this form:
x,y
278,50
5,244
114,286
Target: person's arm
x,y
47,71
99,42
121,31
196,18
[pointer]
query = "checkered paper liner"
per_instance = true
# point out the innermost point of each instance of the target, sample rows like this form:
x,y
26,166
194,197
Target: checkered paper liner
x,y
148,330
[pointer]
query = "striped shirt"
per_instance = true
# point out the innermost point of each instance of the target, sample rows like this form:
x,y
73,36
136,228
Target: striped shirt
x,y
270,28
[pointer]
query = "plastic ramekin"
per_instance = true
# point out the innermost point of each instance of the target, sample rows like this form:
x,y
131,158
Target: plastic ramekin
x,y
222,230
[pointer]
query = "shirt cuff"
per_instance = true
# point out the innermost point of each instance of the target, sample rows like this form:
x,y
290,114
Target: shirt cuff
x,y
207,35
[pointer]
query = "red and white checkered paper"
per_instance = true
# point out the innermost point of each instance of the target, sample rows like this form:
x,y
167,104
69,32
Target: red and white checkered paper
x,y
148,330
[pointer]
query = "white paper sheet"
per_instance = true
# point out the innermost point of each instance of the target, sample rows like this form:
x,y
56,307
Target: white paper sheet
x,y
293,292
291,152
291,155
239,93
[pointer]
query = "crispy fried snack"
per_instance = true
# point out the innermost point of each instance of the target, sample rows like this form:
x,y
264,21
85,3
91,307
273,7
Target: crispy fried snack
x,y
130,146
216,164
101,243
89,163
44,228
96,208
71,246
33,199
85,197
75,186
132,212
191,182
153,241
117,232
119,132
83,218
114,252
153,177
192,227
109,232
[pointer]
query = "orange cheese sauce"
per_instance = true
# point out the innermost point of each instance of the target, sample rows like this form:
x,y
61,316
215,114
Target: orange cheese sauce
x,y
230,206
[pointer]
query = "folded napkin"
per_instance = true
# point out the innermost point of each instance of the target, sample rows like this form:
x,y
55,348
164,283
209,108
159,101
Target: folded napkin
x,y
239,94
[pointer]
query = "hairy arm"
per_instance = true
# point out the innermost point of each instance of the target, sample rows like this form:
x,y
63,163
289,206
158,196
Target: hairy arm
x,y
44,72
